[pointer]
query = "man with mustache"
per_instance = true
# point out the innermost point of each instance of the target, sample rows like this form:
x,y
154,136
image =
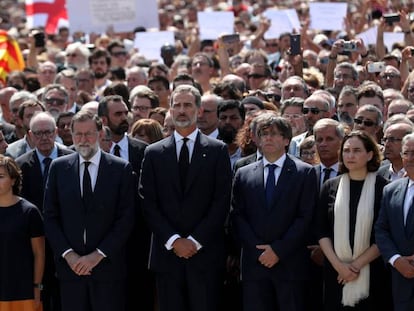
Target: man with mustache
x,y
231,118
114,113
88,216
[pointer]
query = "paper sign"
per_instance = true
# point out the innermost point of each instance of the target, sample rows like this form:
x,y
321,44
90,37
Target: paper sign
x,y
327,16
280,23
213,24
149,43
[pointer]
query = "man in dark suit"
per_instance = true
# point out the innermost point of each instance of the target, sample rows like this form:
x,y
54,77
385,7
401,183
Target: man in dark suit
x,y
272,207
392,168
114,113
394,230
185,190
34,166
88,215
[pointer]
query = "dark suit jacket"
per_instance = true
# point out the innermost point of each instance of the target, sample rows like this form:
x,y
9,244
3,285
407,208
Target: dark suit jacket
x,y
108,220
285,226
244,161
199,210
384,171
136,150
391,238
32,183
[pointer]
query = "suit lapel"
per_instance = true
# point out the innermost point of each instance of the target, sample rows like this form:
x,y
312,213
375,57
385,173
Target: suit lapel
x,y
72,175
170,158
259,184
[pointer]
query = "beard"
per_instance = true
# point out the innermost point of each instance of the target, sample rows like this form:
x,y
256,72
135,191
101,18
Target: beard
x,y
227,134
119,129
100,75
185,123
87,151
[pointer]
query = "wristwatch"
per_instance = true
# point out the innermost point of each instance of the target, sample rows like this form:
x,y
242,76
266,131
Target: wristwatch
x,y
38,285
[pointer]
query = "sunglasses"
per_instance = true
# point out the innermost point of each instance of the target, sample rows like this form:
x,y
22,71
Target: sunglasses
x,y
255,76
56,101
121,53
274,97
368,123
313,110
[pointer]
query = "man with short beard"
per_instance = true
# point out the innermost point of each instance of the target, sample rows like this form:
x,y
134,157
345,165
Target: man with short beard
x,y
100,62
88,217
114,113
231,118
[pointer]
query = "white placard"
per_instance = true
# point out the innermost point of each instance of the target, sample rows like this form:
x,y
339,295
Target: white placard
x,y
392,37
327,16
369,36
149,43
280,23
213,24
123,15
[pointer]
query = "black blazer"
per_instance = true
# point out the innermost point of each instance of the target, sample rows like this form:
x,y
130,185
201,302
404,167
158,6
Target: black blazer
x,y
108,220
32,184
199,208
285,226
244,161
136,150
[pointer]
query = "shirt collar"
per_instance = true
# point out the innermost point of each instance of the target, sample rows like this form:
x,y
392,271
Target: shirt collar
x,y
279,162
53,154
191,137
334,167
95,159
123,144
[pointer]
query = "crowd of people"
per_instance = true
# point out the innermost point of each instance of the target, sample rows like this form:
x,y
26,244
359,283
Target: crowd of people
x,y
232,175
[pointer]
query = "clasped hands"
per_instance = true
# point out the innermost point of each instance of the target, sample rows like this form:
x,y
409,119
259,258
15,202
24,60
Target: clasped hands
x,y
83,265
268,257
347,272
184,248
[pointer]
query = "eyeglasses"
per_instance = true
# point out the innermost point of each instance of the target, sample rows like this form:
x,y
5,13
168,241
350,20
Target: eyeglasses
x,y
141,108
274,45
55,101
307,154
120,53
271,96
391,140
255,76
389,76
343,76
292,116
46,133
368,123
313,110
71,55
88,135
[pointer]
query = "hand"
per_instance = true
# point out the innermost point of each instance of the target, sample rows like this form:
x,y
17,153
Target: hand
x,y
85,264
405,266
317,255
268,258
347,273
184,248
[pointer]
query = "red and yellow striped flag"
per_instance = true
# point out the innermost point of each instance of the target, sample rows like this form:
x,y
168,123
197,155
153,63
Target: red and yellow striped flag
x,y
11,57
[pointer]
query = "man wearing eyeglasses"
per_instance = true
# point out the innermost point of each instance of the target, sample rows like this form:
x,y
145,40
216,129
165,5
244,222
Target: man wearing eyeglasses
x,y
142,100
390,78
392,168
369,120
34,165
315,108
55,98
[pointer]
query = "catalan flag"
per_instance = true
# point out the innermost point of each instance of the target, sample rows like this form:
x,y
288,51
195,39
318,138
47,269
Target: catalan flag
x,y
11,57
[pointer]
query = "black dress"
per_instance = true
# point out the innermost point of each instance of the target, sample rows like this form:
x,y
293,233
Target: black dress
x,y
18,224
380,281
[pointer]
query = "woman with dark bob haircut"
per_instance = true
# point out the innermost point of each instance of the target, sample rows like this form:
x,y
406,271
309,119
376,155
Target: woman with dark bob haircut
x,y
355,277
22,244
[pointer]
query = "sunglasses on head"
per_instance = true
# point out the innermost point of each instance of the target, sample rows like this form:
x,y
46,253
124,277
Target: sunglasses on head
x,y
313,110
368,123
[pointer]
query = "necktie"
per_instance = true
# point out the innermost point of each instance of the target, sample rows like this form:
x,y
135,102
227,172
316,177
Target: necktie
x,y
183,161
87,185
270,184
117,150
46,163
326,174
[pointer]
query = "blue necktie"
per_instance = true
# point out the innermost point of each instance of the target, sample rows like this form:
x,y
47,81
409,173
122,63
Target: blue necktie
x,y
270,184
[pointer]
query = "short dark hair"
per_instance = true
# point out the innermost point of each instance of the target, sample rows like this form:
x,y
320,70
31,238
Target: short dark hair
x,y
370,145
98,53
231,104
13,171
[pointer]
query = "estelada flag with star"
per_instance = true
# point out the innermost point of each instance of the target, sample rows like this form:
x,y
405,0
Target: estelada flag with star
x,y
48,14
11,57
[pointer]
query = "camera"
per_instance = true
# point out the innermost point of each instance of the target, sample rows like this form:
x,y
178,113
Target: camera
x,y
350,46
39,38
375,67
391,18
